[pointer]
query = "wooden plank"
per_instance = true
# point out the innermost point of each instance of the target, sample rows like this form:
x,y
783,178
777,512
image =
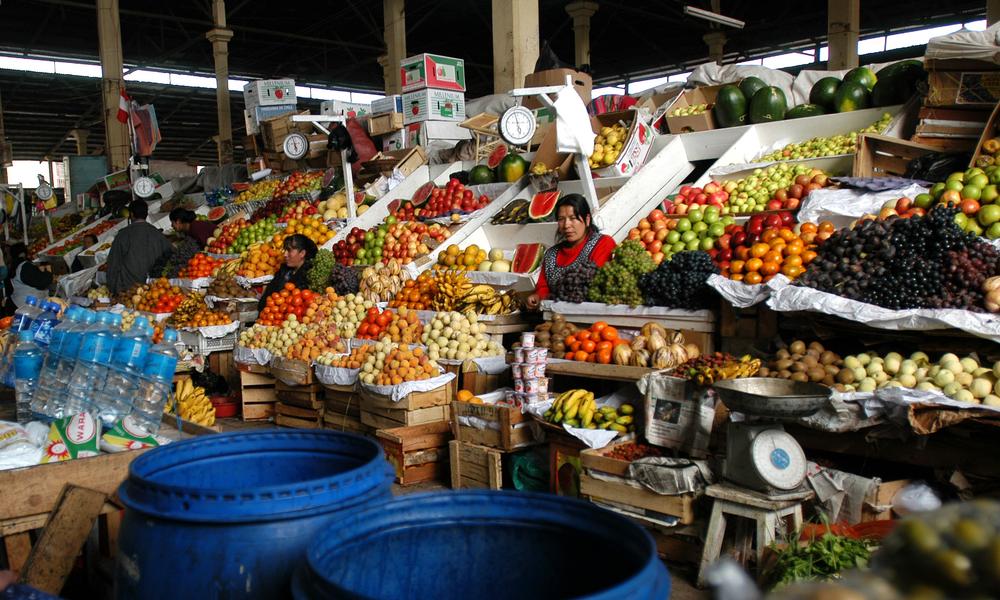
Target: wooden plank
x,y
345,423
285,421
251,379
292,372
259,395
427,435
681,507
289,410
474,466
34,490
597,371
412,401
62,539
258,412
397,418
18,547
419,457
599,461
301,399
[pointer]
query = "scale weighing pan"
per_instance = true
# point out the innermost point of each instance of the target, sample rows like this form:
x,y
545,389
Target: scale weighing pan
x,y
772,397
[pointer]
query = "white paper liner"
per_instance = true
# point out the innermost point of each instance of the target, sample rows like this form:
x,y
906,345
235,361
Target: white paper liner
x,y
212,300
491,365
593,438
893,402
252,356
215,331
796,298
482,424
328,375
223,256
500,279
841,206
398,392
243,281
744,295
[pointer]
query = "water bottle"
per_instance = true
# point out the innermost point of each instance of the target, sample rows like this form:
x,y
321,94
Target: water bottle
x,y
28,359
42,326
155,383
91,369
114,400
25,315
48,380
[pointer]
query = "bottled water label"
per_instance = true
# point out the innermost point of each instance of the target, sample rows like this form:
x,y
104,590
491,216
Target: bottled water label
x,y
43,331
100,347
130,352
28,365
160,366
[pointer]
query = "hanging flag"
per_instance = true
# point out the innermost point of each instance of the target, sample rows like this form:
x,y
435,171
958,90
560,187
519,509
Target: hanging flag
x,y
123,106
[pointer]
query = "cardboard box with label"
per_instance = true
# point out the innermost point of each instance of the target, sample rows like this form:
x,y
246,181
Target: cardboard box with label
x,y
700,122
432,71
636,148
254,115
336,108
394,141
963,88
433,105
546,154
421,134
274,130
581,82
269,92
383,124
393,103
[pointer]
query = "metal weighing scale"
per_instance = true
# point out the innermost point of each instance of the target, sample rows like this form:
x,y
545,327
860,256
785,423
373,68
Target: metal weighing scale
x,y
762,456
299,144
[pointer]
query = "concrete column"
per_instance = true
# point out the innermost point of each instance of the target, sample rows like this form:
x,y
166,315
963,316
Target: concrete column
x,y
843,24
515,42
394,22
716,41
3,140
581,12
80,136
992,11
117,145
220,36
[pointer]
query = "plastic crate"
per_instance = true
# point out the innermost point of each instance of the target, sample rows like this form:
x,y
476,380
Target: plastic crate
x,y
202,345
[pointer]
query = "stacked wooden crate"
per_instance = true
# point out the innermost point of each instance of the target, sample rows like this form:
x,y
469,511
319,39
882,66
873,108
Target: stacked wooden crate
x,y
418,453
257,393
416,408
342,409
300,406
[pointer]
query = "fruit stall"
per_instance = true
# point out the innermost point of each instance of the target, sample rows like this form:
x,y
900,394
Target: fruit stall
x,y
784,332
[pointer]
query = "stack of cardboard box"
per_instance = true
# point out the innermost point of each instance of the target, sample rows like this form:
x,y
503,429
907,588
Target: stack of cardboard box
x,y
433,100
266,99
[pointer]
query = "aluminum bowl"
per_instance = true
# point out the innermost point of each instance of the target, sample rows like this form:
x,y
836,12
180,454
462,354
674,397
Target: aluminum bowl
x,y
772,397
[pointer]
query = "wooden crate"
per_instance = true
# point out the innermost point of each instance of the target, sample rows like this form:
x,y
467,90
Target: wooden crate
x,y
883,156
416,400
343,400
989,131
305,396
341,422
597,371
638,500
598,460
257,396
474,466
507,428
387,418
478,382
292,372
289,415
418,453
877,504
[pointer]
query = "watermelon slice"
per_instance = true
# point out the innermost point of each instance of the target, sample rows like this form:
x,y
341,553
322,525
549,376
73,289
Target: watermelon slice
x,y
216,213
496,156
543,205
422,194
527,257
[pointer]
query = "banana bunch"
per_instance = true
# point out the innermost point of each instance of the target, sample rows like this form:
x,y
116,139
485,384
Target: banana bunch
x,y
453,286
227,268
706,370
192,403
485,300
382,284
188,308
577,408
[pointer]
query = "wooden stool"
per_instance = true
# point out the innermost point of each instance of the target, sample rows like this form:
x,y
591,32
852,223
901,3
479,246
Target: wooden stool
x,y
766,511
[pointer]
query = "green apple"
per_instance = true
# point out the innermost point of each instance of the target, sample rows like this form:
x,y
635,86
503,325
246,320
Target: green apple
x,y
683,224
923,201
979,180
689,235
972,172
937,189
699,227
693,244
973,227
954,184
716,230
994,231
959,177
678,247
706,244
990,193
972,191
711,214
989,214
961,220
695,215
673,237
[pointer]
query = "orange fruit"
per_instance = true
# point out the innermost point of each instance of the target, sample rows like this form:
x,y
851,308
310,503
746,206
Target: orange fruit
x,y
792,271
769,268
598,326
742,253
753,265
609,334
759,249
808,256
808,228
737,277
787,234
794,247
793,260
768,235
736,267
826,227
753,278
772,256
580,356
604,357
588,346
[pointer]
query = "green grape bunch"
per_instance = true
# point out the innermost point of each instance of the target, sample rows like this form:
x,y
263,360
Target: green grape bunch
x,y
617,282
319,272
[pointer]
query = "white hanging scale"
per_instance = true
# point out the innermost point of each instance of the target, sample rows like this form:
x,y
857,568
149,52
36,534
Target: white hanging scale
x,y
43,191
144,187
764,457
517,125
295,146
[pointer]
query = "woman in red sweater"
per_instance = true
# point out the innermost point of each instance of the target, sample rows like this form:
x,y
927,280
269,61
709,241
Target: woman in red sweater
x,y
578,240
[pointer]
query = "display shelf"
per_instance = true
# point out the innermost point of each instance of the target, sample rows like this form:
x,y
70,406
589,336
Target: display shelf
x,y
574,368
621,315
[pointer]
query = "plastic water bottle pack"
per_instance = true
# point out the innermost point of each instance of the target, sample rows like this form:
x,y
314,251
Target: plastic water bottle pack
x,y
155,383
59,344
28,359
91,370
114,400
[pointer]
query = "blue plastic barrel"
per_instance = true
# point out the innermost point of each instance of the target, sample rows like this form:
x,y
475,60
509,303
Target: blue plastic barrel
x,y
483,545
231,515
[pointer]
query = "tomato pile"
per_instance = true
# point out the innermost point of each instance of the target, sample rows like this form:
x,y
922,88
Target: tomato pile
x,y
760,249
594,344
200,265
402,327
289,301
416,293
451,199
158,297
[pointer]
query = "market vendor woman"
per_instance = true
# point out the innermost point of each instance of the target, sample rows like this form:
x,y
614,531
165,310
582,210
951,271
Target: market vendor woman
x,y
577,240
299,252
185,221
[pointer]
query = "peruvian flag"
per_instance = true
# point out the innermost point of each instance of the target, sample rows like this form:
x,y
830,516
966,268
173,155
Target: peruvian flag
x,y
123,106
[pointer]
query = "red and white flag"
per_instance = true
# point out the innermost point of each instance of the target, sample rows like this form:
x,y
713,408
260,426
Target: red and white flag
x,y
123,106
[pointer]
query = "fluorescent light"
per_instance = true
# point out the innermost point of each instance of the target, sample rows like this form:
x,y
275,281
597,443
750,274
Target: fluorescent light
x,y
713,17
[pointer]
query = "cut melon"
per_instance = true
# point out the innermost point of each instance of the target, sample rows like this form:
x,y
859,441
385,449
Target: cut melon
x,y
216,213
496,156
543,205
527,257
422,194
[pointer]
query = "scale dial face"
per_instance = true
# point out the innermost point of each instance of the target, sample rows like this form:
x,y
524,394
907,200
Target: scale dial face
x,y
43,191
144,187
517,125
295,146
778,459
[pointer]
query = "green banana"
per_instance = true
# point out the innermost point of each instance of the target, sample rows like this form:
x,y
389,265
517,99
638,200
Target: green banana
x,y
626,420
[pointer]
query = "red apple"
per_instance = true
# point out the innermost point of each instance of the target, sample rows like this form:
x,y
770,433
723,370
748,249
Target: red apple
x,y
795,191
792,203
903,204
774,204
773,222
781,194
711,187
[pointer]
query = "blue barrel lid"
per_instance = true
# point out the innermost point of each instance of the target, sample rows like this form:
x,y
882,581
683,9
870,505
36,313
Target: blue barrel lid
x,y
256,475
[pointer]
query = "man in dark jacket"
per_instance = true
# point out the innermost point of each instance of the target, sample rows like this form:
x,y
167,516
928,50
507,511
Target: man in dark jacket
x,y
135,250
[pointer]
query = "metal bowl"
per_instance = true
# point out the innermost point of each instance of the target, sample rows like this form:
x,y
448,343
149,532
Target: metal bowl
x,y
772,397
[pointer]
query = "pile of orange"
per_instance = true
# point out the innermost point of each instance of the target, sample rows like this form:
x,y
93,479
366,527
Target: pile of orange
x,y
261,260
594,344
158,297
355,359
402,327
200,265
205,318
416,293
403,364
777,251
312,227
